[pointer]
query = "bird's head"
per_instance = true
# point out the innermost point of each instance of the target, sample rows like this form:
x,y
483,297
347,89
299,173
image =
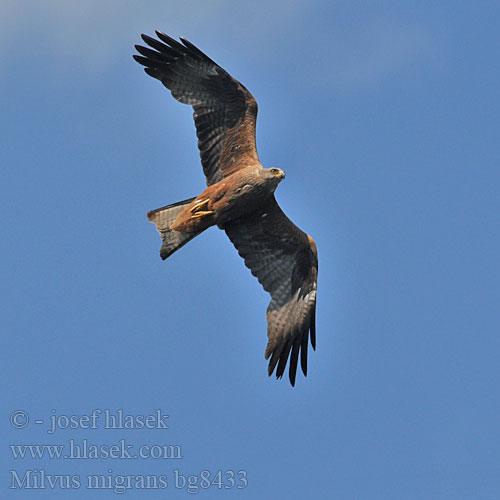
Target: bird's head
x,y
274,175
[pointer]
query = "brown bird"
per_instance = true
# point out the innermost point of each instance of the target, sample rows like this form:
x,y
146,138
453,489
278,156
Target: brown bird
x,y
239,198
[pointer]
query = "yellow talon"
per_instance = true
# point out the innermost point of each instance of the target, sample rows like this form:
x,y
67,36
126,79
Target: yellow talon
x,y
200,205
202,213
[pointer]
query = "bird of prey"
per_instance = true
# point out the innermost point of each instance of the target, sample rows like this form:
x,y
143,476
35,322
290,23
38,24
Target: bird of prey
x,y
239,198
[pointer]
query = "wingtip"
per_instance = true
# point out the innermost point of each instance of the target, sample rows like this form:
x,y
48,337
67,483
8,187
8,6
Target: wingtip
x,y
279,375
167,39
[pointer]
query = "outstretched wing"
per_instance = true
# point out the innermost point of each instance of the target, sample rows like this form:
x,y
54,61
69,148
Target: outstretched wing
x,y
284,260
224,110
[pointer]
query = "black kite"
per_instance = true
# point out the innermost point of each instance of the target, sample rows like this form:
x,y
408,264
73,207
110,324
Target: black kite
x,y
239,198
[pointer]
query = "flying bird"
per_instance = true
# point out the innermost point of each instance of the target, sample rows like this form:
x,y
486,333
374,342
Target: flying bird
x,y
239,198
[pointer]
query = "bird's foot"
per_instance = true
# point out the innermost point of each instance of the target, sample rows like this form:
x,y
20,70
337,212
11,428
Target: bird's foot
x,y
200,205
202,213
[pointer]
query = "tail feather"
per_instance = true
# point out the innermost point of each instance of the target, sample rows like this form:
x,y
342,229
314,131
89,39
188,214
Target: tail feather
x,y
163,218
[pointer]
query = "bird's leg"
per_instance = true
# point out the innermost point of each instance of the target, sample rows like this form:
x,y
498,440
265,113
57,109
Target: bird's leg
x,y
198,206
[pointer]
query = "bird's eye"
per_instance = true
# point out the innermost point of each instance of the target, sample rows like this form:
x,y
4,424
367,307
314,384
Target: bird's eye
x,y
275,171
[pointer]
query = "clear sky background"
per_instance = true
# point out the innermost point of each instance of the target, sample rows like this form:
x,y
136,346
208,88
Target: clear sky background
x,y
385,117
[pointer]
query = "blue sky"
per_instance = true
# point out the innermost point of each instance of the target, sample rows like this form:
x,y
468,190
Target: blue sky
x,y
385,117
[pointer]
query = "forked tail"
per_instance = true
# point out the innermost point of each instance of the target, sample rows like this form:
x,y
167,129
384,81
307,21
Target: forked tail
x,y
163,218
